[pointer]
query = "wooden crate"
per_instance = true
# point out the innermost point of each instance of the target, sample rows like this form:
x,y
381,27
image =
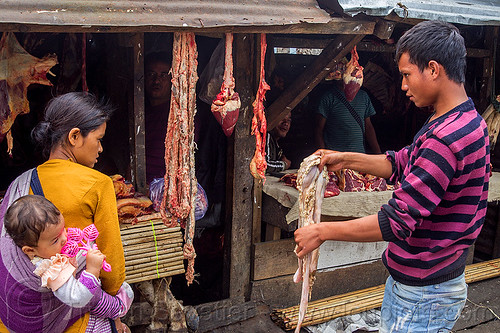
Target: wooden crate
x,y
151,249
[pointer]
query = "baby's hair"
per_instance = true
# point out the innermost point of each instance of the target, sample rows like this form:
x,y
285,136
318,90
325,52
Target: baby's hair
x,y
27,218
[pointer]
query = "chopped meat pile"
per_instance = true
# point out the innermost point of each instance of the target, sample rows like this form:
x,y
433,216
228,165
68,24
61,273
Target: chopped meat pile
x,y
353,181
123,188
131,208
345,180
130,204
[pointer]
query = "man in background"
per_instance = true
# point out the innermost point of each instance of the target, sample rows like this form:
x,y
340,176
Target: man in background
x,y
337,127
276,160
158,87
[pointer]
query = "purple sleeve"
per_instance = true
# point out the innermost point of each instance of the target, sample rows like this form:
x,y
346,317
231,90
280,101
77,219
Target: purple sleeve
x,y
108,306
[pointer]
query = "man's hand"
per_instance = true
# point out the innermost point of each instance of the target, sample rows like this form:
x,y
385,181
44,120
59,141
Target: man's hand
x,y
307,239
332,159
94,262
288,163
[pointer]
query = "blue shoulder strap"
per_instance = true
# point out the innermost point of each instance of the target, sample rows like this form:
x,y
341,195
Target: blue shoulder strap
x,y
35,183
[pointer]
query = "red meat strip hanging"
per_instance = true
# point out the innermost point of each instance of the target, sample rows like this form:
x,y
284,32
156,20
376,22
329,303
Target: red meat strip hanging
x,y
259,124
353,76
18,69
180,180
226,105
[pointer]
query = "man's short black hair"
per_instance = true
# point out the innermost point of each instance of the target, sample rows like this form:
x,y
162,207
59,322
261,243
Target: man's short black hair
x,y
435,40
153,57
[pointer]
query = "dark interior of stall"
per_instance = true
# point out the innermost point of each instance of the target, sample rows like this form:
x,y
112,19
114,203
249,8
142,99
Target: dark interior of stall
x,y
110,75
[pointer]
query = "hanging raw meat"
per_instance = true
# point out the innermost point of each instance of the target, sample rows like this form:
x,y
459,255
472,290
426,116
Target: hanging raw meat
x,y
259,125
18,70
311,184
226,106
353,76
180,181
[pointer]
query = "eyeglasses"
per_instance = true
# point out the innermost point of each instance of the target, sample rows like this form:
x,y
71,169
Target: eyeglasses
x,y
153,76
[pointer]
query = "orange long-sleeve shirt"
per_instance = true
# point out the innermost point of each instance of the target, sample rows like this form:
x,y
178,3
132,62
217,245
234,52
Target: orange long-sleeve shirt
x,y
85,196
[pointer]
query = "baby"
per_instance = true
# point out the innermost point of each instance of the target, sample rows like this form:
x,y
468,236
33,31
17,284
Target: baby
x,y
37,227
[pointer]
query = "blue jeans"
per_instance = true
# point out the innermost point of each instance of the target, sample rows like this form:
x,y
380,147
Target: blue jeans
x,y
433,308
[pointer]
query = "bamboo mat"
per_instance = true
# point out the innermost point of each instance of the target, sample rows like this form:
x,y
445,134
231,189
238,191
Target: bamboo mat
x,y
326,309
151,249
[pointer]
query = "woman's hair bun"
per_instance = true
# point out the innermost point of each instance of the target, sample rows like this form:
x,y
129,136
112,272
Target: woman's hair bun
x,y
41,133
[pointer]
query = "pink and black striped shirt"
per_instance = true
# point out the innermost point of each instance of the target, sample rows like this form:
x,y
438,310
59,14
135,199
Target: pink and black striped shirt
x,y
436,215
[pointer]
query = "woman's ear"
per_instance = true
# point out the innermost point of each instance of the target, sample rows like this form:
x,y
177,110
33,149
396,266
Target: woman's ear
x,y
29,251
73,136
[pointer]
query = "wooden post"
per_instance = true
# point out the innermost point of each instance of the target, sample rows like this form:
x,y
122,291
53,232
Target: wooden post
x,y
137,135
239,186
491,39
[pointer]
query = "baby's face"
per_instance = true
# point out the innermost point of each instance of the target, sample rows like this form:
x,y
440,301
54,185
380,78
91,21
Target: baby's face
x,y
52,239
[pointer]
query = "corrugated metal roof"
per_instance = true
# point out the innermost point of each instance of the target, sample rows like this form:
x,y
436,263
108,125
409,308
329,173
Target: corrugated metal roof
x,y
475,12
167,13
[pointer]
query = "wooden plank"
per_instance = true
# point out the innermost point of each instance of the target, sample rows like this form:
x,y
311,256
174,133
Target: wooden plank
x,y
335,26
137,136
272,233
256,211
310,77
240,181
269,255
282,292
275,214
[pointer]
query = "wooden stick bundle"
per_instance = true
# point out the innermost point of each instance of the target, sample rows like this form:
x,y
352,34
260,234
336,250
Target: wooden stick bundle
x,y
151,249
148,267
147,261
168,248
323,310
146,226
152,275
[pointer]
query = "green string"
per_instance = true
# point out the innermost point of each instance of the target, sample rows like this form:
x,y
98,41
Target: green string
x,y
156,248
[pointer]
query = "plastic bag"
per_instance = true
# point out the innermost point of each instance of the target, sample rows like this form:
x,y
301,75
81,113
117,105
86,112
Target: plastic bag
x,y
212,76
156,195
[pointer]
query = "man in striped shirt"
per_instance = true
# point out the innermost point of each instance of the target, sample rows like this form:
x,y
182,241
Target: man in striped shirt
x,y
436,215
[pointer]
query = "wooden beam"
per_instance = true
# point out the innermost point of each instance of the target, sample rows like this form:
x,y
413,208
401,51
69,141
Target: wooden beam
x,y
383,29
304,42
137,136
240,181
310,78
334,26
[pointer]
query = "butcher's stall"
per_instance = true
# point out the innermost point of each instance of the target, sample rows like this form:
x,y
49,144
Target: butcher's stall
x,y
342,266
